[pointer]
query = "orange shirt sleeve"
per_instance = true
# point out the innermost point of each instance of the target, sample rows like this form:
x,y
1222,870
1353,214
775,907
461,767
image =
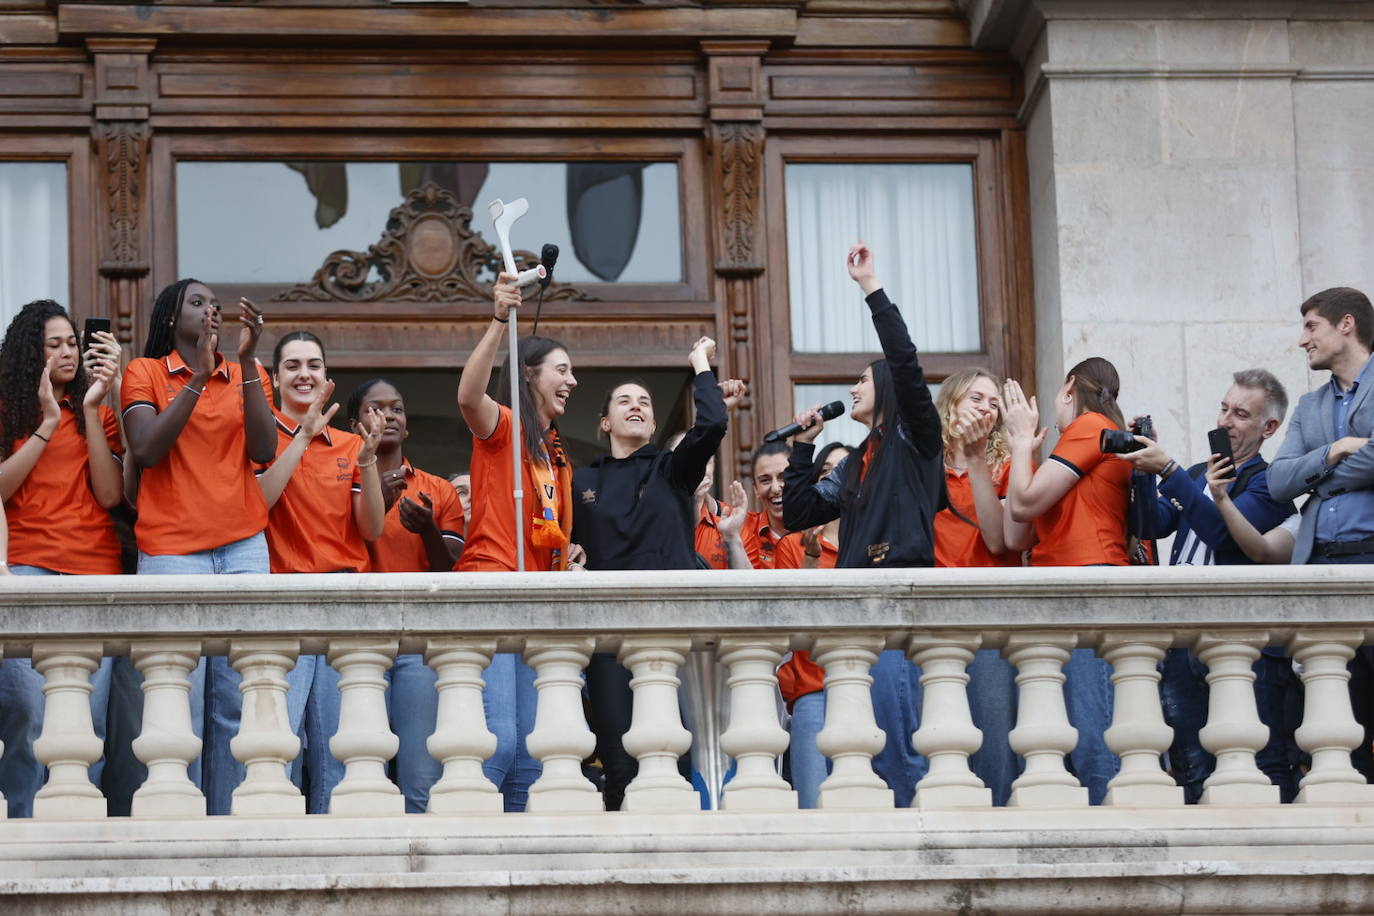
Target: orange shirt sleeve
x,y
789,552
137,386
109,421
448,509
1078,448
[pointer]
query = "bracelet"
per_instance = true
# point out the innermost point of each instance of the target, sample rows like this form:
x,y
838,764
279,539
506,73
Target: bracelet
x,y
1168,469
502,320
192,390
41,436
369,463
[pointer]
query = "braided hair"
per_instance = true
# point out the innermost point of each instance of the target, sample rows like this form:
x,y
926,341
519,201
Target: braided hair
x,y
22,358
166,313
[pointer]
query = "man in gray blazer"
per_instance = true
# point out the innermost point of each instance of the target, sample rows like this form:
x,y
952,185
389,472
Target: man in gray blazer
x,y
1327,454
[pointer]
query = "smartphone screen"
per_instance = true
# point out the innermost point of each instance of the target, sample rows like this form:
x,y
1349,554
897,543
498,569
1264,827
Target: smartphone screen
x,y
1219,442
88,333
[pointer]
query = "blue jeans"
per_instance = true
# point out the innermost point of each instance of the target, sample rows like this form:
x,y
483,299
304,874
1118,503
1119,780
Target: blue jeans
x,y
510,700
992,701
312,710
413,706
897,708
1089,695
21,721
215,770
809,766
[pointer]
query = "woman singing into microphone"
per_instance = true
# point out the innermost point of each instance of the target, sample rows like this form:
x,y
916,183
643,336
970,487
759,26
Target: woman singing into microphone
x,y
885,494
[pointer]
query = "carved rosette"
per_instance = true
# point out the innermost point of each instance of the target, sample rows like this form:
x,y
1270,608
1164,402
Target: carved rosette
x,y
739,151
428,253
124,148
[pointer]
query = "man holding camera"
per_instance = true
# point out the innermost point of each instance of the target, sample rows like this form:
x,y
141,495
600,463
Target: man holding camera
x,y
1251,411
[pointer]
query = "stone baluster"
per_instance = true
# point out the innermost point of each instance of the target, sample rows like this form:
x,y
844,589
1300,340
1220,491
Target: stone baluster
x,y
1329,731
1234,732
851,736
1043,735
947,735
561,739
265,744
364,742
1138,734
656,737
166,743
68,744
461,740
755,738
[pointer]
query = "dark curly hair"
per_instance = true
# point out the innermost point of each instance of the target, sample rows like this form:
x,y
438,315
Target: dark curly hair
x,y
21,363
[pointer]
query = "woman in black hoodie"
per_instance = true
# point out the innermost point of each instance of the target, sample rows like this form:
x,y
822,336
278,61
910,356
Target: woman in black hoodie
x,y
635,509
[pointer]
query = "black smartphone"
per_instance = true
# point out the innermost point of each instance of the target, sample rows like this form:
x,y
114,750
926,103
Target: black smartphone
x,y
1219,442
88,333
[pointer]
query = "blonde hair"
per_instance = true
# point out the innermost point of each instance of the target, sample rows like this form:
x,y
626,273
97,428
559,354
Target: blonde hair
x,y
952,391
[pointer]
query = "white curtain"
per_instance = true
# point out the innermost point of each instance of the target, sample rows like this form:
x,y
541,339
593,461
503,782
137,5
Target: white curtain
x,y
917,218
33,235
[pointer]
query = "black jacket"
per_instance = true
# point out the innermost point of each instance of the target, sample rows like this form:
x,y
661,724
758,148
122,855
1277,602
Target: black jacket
x,y
639,512
890,522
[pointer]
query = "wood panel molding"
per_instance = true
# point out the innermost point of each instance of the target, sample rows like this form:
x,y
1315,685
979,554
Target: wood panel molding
x,y
427,253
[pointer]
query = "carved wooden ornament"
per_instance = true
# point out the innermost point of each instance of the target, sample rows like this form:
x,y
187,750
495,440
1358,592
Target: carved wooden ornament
x,y
428,253
739,146
124,146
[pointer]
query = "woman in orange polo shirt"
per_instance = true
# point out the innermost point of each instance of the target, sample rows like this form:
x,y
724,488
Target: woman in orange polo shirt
x,y
546,382
196,423
977,531
1077,501
59,477
423,533
324,501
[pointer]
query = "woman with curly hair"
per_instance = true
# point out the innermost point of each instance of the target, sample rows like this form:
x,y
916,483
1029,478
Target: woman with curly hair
x,y
60,475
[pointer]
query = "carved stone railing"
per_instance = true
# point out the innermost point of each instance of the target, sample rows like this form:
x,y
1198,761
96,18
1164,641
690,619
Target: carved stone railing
x,y
1238,851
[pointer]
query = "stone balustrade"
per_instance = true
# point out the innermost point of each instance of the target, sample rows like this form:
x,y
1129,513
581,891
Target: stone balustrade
x,y
748,620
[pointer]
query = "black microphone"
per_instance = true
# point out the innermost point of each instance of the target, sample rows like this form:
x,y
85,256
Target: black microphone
x,y
828,412
548,256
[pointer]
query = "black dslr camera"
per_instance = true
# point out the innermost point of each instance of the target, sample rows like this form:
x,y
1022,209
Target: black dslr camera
x,y
1118,441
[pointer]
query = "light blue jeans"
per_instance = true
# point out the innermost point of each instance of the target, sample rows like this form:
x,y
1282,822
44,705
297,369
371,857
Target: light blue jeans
x,y
897,708
808,765
413,706
21,721
992,701
510,700
1088,695
215,771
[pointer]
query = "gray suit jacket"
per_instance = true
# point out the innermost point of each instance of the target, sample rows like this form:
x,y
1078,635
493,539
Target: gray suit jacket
x,y
1300,466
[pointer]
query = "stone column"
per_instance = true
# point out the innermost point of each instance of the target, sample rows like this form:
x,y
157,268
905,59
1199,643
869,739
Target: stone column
x,y
851,736
68,744
265,744
1234,732
656,737
1138,734
461,739
1329,731
166,742
947,735
754,738
561,739
1043,734
364,742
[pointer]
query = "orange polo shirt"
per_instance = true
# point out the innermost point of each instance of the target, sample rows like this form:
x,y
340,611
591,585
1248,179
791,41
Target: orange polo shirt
x,y
54,519
491,534
402,550
311,529
203,494
707,540
959,544
799,675
759,541
1087,526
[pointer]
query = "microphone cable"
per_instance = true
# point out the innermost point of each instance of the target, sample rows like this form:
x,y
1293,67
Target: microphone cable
x,y
538,305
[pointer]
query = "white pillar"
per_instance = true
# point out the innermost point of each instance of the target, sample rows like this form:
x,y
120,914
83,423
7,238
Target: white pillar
x,y
1043,734
947,735
656,737
265,744
1234,732
561,739
755,738
1329,731
166,742
851,736
364,742
1138,734
68,744
461,739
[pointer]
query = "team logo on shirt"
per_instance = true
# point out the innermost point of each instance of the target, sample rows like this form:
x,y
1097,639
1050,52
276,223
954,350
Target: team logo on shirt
x,y
341,462
877,552
588,497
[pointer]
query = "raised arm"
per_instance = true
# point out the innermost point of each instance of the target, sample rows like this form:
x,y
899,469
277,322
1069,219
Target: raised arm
x,y
274,478
730,525
152,434
969,436
687,465
15,469
259,426
805,504
1273,546
480,412
107,476
369,510
1031,492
